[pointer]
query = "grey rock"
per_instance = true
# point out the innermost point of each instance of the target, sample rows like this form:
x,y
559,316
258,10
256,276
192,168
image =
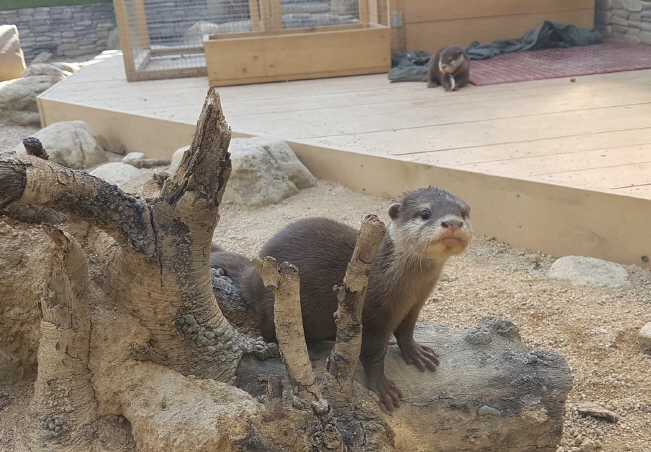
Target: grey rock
x,y
582,271
42,57
45,69
633,39
633,5
116,173
12,60
176,158
620,13
67,67
113,42
616,20
645,335
70,143
646,26
265,171
486,410
131,157
645,37
19,96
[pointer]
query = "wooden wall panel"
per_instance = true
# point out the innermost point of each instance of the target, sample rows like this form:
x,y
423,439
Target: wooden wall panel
x,y
419,11
431,36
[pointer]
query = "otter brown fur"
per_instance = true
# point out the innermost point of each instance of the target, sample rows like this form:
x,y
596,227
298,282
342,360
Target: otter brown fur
x,y
450,67
427,227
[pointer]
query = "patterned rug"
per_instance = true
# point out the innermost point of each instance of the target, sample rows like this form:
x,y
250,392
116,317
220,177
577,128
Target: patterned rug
x,y
556,63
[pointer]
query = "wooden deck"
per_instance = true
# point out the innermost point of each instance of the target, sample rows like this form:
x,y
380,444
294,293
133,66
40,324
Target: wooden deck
x,y
551,165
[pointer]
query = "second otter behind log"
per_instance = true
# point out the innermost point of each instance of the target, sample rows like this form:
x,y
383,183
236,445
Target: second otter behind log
x,y
450,67
427,227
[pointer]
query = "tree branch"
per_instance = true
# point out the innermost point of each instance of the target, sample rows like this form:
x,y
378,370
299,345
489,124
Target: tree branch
x,y
33,181
343,360
284,281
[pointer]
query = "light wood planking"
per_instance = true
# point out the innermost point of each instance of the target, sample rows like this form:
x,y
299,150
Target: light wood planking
x,y
523,154
431,36
417,11
237,59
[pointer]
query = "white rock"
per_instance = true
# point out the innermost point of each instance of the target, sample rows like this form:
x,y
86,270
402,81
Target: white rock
x,y
42,57
117,173
645,335
45,69
588,271
12,60
70,143
176,158
132,157
265,171
19,96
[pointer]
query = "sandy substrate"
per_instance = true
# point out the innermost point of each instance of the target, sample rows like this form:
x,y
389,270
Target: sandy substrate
x,y
595,329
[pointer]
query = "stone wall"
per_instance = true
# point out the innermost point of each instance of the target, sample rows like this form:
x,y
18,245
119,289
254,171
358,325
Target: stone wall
x,y
624,20
65,31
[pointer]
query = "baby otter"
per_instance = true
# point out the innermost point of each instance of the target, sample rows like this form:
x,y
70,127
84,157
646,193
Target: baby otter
x,y
427,227
450,67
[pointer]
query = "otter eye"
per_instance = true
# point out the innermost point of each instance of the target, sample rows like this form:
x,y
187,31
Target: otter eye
x,y
425,214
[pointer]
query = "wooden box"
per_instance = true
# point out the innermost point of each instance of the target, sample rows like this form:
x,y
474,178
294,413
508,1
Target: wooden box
x,y
297,54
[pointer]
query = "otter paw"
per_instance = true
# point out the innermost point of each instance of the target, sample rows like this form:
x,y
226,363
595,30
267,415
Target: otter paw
x,y
420,356
389,393
432,85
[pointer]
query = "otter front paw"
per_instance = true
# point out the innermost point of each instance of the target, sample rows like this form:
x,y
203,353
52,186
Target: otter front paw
x,y
432,85
419,355
389,393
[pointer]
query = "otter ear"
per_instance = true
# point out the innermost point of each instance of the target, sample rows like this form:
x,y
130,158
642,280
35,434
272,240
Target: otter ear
x,y
394,211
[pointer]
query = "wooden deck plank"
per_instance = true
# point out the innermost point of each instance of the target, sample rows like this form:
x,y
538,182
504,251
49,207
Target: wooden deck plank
x,y
570,162
612,177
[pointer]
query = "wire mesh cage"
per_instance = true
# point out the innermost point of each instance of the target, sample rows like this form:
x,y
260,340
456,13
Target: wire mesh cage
x,y
164,38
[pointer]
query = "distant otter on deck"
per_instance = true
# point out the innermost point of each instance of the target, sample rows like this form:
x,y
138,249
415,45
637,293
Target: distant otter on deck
x,y
427,227
450,67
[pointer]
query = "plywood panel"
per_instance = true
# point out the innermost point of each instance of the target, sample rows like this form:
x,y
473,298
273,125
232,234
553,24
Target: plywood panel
x,y
298,54
431,36
417,11
519,212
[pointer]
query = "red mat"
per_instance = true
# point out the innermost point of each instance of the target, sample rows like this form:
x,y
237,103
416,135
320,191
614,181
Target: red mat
x,y
556,63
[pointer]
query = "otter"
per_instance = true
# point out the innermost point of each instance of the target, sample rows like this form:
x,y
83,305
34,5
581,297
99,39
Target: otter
x,y
427,227
450,67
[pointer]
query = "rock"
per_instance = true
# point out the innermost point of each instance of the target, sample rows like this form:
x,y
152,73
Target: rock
x,y
132,157
487,397
596,411
588,271
70,143
645,335
176,158
265,171
67,67
19,96
42,57
193,36
117,173
12,60
45,69
113,42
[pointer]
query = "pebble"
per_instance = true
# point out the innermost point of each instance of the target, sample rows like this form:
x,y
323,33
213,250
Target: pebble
x,y
645,335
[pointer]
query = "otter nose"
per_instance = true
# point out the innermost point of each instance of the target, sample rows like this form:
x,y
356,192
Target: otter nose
x,y
452,225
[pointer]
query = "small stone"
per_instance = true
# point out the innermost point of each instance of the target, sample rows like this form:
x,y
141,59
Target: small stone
x,y
572,80
534,258
593,410
132,157
645,335
486,410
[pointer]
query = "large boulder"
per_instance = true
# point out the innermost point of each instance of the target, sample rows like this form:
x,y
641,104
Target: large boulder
x,y
12,61
265,171
70,143
18,99
45,69
588,271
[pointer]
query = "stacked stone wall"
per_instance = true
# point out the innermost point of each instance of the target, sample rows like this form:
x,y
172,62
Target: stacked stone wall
x,y
624,20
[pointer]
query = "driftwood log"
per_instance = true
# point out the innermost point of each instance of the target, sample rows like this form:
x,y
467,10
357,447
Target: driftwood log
x,y
108,306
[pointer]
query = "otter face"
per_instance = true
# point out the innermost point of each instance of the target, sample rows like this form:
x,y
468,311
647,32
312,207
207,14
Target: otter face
x,y
451,58
431,223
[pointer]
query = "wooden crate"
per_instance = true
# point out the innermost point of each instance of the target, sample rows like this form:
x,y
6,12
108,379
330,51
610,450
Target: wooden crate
x,y
298,54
